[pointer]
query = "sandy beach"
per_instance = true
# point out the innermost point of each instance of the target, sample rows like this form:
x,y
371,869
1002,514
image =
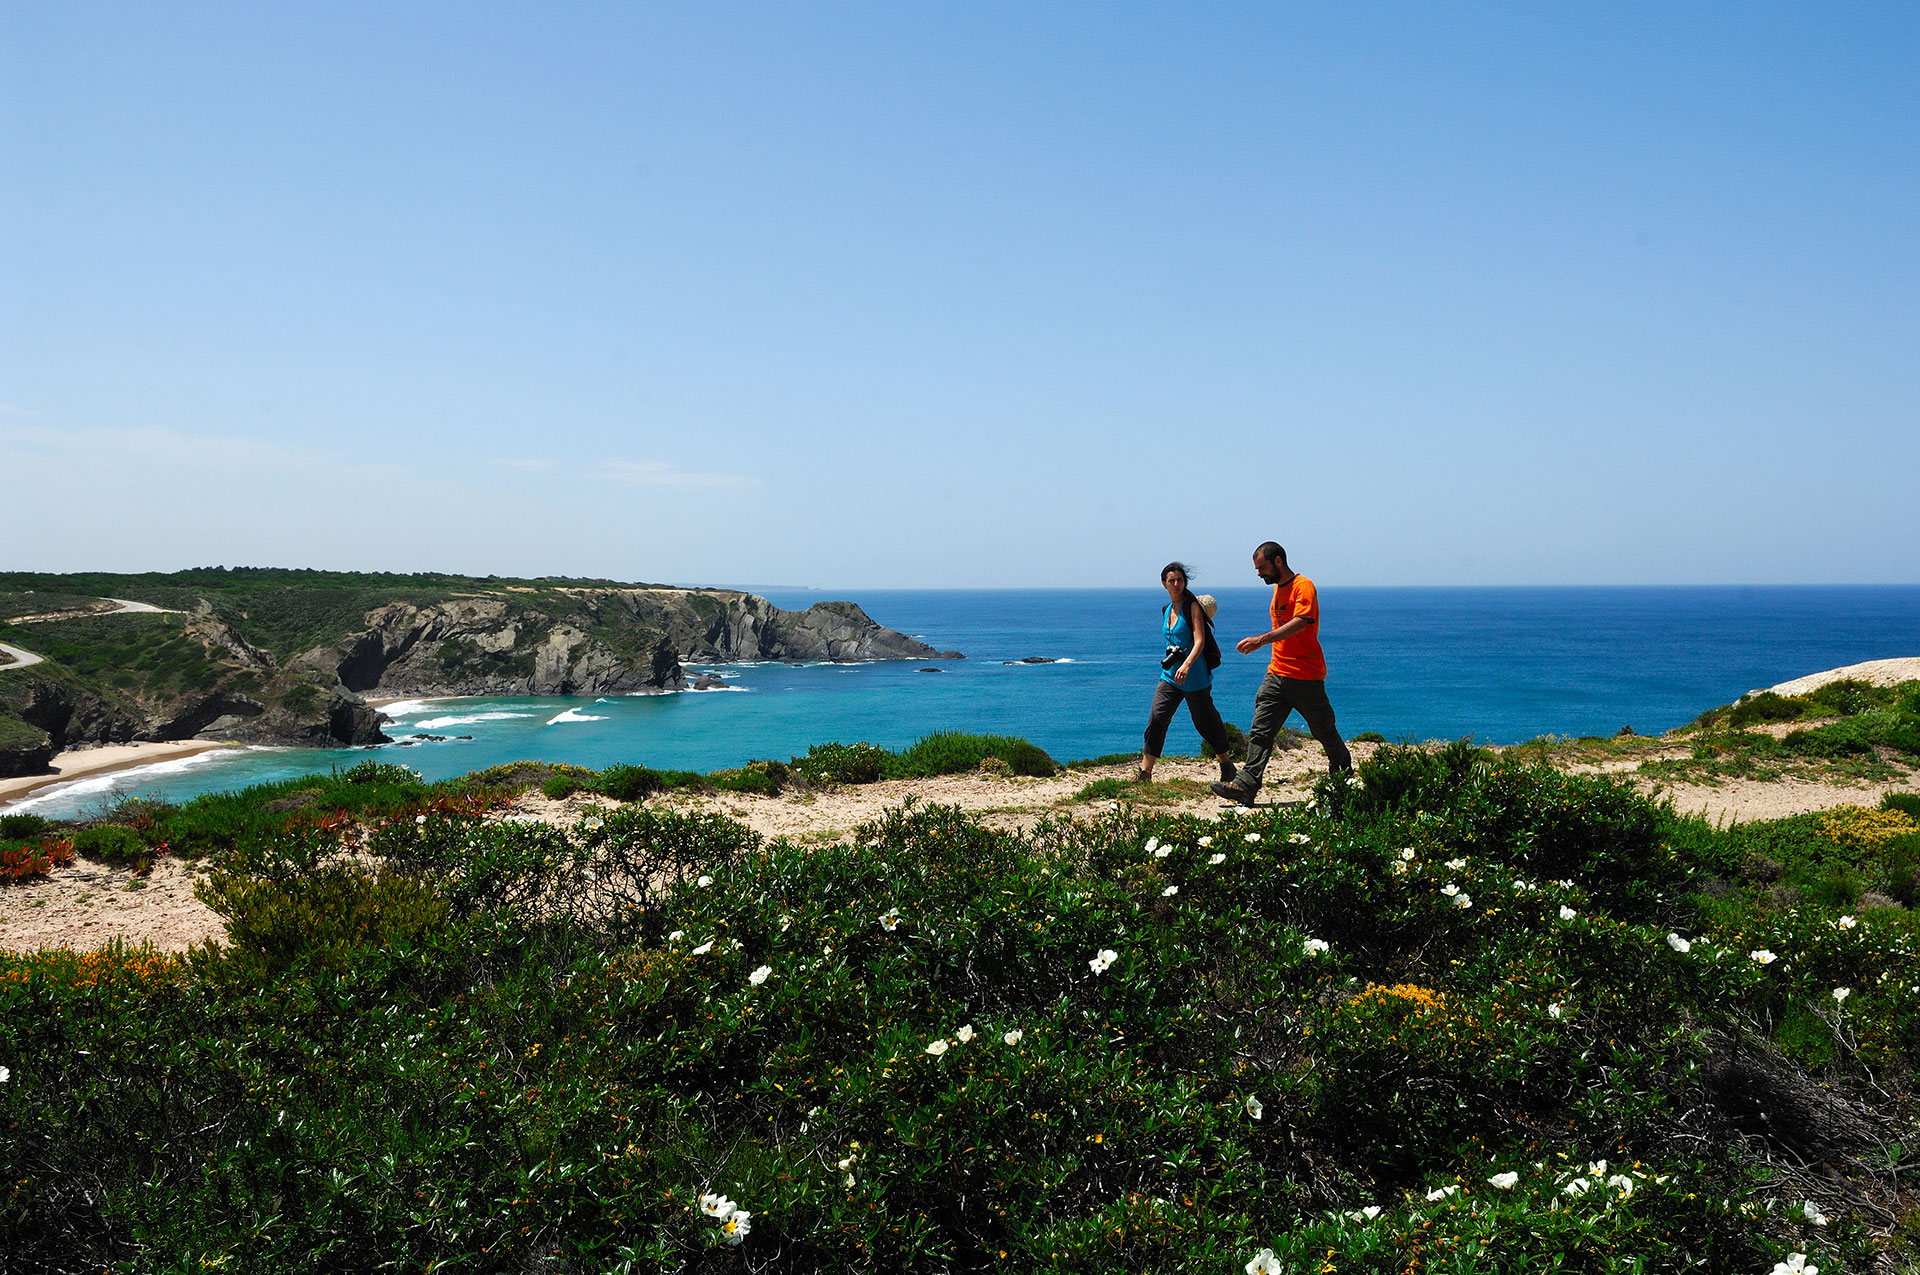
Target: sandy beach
x,y
77,763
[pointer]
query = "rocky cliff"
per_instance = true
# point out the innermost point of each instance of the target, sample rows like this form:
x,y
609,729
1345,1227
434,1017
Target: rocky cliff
x,y
228,681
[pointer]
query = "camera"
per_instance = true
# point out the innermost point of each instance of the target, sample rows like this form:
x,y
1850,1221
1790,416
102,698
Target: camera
x,y
1173,656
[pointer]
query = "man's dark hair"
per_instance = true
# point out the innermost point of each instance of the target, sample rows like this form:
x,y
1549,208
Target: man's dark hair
x,y
1273,553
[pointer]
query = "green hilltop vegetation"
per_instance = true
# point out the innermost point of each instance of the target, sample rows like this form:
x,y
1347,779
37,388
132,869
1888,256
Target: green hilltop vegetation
x,y
285,656
1468,1013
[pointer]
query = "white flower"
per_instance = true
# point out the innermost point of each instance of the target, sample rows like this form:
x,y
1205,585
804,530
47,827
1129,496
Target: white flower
x,y
1505,1181
890,920
1153,843
5,1075
735,1228
1841,993
1796,1264
1622,1181
1252,836
1814,1215
1597,1168
1163,852
676,936
1761,956
1577,1187
1454,865
1254,1108
965,1034
785,921
1449,889
938,1047
1265,1263
1217,858
1521,887
594,823
1463,901
1169,892
1846,923
759,976
1205,842
715,1205
1407,854
1299,838
1553,1011
1399,868
1442,1192
704,948
1014,1037
1567,913
704,881
1102,959
1678,944
1314,946
419,818
1367,1214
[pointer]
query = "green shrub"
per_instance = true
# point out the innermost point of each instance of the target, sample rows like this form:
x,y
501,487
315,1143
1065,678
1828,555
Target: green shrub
x,y
321,921
1907,803
762,778
111,843
559,787
956,752
19,827
843,763
628,783
1236,742
1105,790
1369,737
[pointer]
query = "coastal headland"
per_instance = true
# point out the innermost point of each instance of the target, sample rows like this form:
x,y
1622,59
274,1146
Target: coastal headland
x,y
258,655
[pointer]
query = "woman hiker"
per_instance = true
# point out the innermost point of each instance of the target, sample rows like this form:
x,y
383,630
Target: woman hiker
x,y
1186,673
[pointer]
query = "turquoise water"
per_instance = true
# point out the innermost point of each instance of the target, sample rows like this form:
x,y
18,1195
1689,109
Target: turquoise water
x,y
1500,665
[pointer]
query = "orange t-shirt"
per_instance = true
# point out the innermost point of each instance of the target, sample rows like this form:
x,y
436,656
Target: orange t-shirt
x,y
1298,655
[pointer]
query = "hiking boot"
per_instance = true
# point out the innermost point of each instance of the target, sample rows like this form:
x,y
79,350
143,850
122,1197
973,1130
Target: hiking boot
x,y
1227,773
1232,792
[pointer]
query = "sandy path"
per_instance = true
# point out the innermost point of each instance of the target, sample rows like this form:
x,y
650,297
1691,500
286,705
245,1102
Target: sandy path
x,y
86,904
17,658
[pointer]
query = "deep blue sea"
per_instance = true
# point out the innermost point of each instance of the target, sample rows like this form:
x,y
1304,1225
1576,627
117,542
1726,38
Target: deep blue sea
x,y
1499,665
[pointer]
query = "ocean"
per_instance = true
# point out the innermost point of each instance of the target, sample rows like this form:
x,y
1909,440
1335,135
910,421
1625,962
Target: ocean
x,y
1498,665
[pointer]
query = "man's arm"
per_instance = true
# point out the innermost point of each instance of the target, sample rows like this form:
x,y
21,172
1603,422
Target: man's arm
x,y
1248,645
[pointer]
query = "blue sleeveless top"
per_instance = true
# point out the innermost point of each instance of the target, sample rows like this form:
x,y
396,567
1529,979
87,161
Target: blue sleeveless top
x,y
1180,633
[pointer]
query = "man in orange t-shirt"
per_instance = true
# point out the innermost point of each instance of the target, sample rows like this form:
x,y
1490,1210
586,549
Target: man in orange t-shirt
x,y
1296,675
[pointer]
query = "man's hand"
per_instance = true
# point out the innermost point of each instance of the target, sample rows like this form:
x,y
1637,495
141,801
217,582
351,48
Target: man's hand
x,y
1248,645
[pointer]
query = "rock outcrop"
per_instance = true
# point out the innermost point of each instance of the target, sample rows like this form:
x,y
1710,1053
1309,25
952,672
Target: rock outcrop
x,y
534,638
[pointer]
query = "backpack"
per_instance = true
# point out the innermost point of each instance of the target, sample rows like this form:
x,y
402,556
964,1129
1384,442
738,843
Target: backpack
x,y
1209,647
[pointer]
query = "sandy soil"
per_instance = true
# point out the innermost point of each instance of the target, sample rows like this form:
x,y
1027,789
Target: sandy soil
x,y
1878,672
78,762
86,905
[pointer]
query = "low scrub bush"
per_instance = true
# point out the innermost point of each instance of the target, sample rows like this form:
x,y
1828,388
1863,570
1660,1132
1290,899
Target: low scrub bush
x,y
1461,1016
628,783
19,827
111,843
955,752
1236,742
945,753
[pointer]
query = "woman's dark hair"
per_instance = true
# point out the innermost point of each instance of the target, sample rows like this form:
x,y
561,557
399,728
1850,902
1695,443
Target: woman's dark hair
x,y
1181,567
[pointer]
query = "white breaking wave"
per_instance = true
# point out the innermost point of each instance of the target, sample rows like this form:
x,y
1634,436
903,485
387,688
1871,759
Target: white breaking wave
x,y
574,715
117,780
435,723
408,707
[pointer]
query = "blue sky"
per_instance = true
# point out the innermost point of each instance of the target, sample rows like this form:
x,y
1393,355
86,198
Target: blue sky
x,y
964,295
